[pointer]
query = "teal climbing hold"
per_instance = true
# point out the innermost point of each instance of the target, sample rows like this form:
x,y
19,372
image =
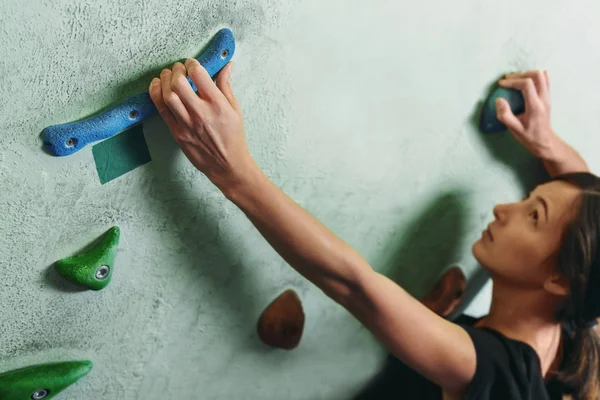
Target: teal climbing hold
x,y
94,268
42,381
489,123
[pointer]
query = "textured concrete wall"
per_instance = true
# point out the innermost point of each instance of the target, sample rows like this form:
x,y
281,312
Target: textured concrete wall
x,y
360,110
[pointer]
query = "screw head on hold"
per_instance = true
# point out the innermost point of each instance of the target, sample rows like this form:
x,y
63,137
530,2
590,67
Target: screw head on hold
x,y
102,272
134,114
71,142
224,53
40,394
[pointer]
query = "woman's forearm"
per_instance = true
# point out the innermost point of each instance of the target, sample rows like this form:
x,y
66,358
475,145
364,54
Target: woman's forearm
x,y
561,158
304,242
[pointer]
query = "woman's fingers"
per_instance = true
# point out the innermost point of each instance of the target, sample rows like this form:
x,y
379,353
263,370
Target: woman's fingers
x,y
183,89
224,85
155,91
527,86
540,79
172,100
506,116
204,83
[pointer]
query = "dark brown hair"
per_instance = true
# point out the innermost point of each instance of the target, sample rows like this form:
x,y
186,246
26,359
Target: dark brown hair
x,y
579,262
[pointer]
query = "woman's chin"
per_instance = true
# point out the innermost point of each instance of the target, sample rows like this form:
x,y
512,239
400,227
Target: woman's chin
x,y
478,251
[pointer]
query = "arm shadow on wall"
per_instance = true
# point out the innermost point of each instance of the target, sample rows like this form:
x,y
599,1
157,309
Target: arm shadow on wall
x,y
418,253
429,245
211,262
416,257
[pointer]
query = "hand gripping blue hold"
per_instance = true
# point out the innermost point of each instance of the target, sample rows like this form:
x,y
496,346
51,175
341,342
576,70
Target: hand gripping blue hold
x,y
66,139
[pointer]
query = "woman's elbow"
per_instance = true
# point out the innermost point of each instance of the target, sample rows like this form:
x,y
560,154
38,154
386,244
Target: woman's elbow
x,y
348,293
340,292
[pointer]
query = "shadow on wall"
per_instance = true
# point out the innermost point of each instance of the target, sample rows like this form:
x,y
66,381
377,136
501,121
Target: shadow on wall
x,y
428,245
432,241
196,230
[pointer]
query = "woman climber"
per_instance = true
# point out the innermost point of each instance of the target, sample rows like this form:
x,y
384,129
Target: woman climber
x,y
539,339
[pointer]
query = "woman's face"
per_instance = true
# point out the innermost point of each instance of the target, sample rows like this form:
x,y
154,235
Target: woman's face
x,y
523,241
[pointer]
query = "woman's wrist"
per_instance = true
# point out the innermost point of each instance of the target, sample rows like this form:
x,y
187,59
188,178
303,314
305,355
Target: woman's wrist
x,y
560,158
552,147
243,184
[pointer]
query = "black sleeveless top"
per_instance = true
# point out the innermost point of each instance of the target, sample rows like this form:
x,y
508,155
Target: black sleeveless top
x,y
506,370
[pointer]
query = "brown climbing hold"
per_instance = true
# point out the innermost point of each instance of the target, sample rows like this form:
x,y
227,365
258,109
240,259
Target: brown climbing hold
x,y
282,322
447,293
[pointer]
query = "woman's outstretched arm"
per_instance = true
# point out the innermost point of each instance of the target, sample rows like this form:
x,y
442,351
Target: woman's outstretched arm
x,y
437,348
533,128
208,128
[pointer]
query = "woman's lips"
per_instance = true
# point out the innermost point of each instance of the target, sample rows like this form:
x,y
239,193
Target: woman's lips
x,y
489,233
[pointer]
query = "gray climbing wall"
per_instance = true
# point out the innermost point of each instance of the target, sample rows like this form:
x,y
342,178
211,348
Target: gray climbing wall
x,y
362,111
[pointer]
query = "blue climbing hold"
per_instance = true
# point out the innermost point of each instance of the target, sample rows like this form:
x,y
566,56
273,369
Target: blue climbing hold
x,y
68,138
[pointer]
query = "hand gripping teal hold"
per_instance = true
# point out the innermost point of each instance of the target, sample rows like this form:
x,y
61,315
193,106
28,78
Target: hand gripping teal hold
x,y
489,122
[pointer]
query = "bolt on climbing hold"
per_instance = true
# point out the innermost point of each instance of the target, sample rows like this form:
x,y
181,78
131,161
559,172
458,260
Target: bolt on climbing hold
x,y
92,269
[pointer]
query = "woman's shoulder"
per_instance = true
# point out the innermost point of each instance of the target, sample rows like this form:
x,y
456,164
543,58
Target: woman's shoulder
x,y
505,366
469,323
494,343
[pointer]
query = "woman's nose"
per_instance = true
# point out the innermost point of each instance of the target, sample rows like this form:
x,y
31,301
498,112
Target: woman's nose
x,y
500,212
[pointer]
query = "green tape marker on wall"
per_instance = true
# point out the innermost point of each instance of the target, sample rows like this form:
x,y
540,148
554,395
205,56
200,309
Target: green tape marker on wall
x,y
120,154
42,381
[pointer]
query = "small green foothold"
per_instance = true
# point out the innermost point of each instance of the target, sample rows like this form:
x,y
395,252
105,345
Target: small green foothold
x,y
94,268
42,381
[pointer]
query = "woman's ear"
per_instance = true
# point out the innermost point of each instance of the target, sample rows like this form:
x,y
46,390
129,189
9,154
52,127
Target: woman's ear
x,y
557,285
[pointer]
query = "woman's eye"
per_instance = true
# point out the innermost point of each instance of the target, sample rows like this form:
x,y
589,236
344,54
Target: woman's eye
x,y
535,215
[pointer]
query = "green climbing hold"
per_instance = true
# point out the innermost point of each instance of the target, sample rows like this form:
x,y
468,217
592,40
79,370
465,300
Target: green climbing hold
x,y
94,268
42,381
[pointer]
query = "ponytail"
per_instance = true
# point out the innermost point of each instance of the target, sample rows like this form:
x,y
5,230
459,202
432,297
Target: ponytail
x,y
581,371
579,262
